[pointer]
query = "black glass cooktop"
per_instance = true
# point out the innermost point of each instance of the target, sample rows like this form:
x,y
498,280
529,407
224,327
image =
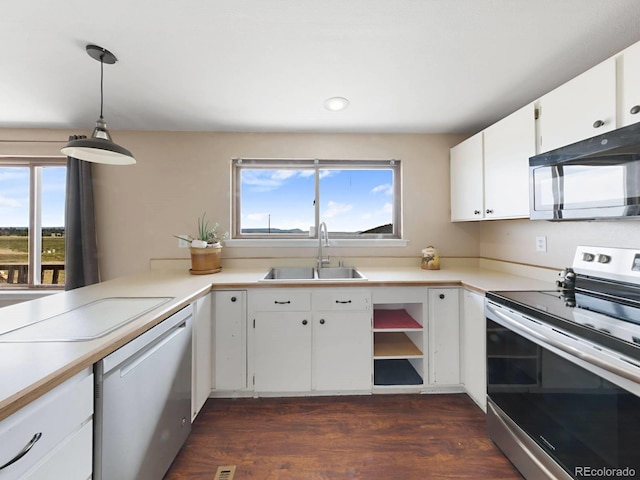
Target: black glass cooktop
x,y
601,320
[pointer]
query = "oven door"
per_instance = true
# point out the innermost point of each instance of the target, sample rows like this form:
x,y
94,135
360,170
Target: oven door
x,y
578,404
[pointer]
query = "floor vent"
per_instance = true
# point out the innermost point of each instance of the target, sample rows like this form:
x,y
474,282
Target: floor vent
x,y
225,473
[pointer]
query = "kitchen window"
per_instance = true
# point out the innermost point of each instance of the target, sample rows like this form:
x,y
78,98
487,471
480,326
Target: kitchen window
x,y
289,199
32,241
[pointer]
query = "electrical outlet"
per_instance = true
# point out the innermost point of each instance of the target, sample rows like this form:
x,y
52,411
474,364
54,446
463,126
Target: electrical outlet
x,y
541,244
182,243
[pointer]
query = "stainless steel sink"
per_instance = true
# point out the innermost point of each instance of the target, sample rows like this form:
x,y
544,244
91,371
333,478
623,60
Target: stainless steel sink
x,y
312,274
290,273
339,273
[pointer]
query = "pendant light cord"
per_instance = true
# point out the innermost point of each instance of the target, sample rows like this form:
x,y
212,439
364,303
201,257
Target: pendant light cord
x,y
101,83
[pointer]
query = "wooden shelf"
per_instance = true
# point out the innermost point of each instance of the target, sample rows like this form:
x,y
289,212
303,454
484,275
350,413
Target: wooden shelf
x,y
397,319
394,344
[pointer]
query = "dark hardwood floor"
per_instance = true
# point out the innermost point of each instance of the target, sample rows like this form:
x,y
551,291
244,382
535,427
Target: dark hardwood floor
x,y
390,437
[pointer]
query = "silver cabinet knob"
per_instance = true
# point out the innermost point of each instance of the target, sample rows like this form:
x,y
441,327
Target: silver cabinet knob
x,y
489,210
476,212
635,110
598,124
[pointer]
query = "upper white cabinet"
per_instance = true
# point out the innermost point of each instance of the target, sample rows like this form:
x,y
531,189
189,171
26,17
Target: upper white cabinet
x,y
581,108
629,86
467,171
508,144
490,171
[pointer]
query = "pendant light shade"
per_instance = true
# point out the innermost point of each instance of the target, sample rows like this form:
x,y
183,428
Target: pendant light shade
x,y
99,148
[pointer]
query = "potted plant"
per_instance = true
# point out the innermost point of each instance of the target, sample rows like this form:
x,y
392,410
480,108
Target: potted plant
x,y
205,248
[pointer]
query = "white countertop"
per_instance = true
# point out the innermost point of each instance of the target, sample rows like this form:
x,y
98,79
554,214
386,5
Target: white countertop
x,y
30,369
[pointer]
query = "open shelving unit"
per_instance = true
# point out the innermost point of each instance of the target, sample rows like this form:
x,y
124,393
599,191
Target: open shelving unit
x,y
398,344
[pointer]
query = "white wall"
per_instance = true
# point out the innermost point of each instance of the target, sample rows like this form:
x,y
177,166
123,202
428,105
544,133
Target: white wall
x,y
514,240
179,175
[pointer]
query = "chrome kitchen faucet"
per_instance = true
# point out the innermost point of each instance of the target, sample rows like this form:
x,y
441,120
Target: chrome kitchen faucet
x,y
322,261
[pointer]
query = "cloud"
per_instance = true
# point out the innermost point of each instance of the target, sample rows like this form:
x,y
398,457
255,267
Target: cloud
x,y
268,180
385,188
9,202
335,209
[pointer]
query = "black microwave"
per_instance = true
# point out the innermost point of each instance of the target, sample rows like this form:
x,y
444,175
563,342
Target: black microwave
x,y
597,178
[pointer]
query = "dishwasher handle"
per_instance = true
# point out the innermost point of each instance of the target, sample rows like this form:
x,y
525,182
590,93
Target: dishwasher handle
x,y
133,362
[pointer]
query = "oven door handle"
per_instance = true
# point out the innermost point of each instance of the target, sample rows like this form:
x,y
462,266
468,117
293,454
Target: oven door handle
x,y
615,369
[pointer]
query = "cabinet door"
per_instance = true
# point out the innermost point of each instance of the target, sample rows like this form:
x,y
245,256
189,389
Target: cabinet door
x,y
201,360
282,352
342,351
444,336
466,180
573,111
229,340
629,101
508,145
474,348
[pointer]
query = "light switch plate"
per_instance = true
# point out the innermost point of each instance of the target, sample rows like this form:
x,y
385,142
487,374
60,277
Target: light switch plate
x,y
541,244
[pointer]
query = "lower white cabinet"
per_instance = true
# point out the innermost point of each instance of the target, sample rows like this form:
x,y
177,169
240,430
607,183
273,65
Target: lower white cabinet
x,y
311,340
341,340
473,340
444,336
230,340
202,353
282,352
59,427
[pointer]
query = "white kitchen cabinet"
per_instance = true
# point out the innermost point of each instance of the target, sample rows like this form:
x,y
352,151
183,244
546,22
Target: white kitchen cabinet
x,y
399,326
629,86
282,351
311,340
473,341
467,173
59,425
581,108
508,144
341,359
444,336
229,340
201,360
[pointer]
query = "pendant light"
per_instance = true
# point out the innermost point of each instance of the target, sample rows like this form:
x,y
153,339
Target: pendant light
x,y
99,148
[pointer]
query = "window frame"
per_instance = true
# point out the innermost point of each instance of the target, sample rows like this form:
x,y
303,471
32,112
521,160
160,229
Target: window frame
x,y
239,164
35,166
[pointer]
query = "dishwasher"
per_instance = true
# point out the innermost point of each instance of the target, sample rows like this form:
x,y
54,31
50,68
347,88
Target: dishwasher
x,y
143,402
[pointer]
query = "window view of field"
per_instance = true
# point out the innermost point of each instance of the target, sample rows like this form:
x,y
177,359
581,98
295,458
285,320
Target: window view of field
x,y
45,205
14,256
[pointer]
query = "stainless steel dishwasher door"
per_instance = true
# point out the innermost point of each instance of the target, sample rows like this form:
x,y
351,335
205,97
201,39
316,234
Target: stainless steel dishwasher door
x,y
143,402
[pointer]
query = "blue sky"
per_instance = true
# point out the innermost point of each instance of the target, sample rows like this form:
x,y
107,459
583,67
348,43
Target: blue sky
x,y
350,200
14,196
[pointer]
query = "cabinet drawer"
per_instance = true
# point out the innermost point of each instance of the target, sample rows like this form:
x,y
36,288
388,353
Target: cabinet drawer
x,y
55,415
72,460
280,300
341,299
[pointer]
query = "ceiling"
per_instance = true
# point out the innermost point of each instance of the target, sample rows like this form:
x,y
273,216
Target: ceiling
x,y
268,65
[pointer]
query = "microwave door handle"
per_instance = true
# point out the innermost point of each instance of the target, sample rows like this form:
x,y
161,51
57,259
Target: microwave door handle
x,y
616,370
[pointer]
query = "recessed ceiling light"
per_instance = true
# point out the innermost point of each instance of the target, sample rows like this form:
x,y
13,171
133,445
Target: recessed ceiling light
x,y
335,104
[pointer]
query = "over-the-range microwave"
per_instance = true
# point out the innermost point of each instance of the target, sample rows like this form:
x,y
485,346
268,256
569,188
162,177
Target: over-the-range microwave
x,y
597,178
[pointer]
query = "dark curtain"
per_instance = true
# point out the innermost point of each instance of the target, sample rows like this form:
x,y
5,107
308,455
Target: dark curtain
x,y
81,249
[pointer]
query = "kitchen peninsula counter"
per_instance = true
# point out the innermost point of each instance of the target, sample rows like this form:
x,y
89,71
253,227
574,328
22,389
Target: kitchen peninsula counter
x,y
30,369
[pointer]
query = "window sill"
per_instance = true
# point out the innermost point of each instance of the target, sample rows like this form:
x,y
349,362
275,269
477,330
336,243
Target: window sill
x,y
313,242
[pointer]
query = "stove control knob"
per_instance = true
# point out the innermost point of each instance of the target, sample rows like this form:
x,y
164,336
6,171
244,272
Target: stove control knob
x,y
588,257
604,258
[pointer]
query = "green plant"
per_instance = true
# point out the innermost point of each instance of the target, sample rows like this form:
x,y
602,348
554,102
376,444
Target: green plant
x,y
206,233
